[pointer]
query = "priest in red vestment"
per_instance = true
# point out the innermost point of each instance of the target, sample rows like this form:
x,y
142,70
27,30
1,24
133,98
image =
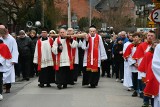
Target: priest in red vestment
x,y
94,53
63,48
44,57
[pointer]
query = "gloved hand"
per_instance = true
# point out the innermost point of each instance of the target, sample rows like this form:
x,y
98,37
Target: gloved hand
x,y
60,47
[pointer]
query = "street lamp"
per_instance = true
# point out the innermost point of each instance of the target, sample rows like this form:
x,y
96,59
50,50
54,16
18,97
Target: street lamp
x,y
74,21
37,23
30,25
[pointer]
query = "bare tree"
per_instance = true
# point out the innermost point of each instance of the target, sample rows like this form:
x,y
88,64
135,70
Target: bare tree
x,y
117,14
16,9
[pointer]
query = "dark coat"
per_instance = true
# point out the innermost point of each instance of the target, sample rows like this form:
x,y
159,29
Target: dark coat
x,y
34,40
117,56
25,47
108,48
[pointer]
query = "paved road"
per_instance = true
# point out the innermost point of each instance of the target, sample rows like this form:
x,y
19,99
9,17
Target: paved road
x,y
108,94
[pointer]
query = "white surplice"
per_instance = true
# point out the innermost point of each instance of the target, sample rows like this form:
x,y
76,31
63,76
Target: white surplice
x,y
101,51
127,72
5,64
64,57
9,75
156,71
131,61
142,74
46,54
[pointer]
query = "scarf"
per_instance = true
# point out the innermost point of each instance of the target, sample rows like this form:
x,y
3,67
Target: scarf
x,y
40,52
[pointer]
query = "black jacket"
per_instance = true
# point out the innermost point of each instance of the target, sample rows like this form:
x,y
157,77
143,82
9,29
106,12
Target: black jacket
x,y
117,56
25,47
108,49
34,40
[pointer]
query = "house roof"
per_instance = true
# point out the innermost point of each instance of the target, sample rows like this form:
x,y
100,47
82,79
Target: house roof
x,y
142,2
78,7
107,4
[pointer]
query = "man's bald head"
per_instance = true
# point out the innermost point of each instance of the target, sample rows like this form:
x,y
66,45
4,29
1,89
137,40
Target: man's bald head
x,y
2,26
3,32
123,34
70,31
92,31
62,32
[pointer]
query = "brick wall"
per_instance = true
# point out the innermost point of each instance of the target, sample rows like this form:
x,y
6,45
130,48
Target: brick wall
x,y
79,7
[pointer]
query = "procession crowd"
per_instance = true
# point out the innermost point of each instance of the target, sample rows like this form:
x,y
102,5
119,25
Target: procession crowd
x,y
60,58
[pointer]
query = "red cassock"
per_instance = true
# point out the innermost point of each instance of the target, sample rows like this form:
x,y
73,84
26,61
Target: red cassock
x,y
143,67
4,51
141,50
152,85
128,51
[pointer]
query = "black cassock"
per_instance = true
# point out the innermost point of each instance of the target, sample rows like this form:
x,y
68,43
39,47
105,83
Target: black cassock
x,y
64,76
47,75
91,78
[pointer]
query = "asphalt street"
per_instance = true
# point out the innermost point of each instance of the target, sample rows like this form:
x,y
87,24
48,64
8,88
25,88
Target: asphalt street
x,y
108,94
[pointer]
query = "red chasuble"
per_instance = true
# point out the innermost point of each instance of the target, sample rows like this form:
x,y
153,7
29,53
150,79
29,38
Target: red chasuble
x,y
141,50
152,85
70,54
40,53
94,67
143,67
4,51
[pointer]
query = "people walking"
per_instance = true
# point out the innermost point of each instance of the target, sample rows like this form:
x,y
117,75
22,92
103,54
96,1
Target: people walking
x,y
94,53
26,51
44,57
5,56
63,47
9,75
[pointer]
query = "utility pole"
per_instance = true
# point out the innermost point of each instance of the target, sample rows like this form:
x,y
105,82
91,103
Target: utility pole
x,y
42,18
90,12
69,14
